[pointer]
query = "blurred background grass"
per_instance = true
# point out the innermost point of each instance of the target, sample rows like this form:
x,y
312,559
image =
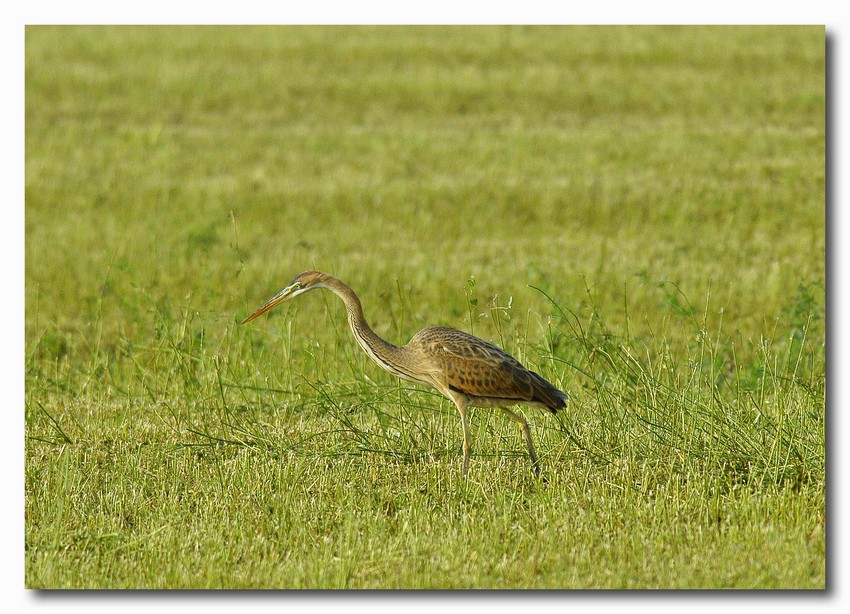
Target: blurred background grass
x,y
625,156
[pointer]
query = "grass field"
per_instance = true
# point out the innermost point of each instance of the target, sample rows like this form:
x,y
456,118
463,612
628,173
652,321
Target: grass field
x,y
636,213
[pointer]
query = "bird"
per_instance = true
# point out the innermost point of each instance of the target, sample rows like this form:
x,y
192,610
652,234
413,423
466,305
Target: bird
x,y
468,370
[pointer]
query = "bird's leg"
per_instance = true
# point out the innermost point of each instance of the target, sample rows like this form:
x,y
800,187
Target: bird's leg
x,y
526,433
464,421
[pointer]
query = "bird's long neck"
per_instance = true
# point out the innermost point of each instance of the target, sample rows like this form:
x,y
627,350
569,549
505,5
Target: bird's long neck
x,y
387,355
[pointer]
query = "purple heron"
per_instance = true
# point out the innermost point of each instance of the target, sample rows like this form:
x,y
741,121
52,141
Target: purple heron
x,y
468,370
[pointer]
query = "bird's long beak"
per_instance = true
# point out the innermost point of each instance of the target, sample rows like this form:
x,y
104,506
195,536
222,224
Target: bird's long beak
x,y
276,300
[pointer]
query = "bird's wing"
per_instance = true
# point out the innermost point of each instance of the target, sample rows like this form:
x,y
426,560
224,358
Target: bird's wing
x,y
467,364
475,367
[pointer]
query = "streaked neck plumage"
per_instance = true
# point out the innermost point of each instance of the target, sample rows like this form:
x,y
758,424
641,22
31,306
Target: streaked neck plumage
x,y
390,357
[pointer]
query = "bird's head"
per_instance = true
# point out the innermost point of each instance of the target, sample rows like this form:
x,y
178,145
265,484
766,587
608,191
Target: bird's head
x,y
309,280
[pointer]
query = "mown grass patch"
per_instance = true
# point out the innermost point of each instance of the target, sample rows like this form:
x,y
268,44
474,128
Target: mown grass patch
x,y
636,213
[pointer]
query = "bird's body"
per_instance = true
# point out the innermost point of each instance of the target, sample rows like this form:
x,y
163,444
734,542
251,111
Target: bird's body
x,y
486,374
466,369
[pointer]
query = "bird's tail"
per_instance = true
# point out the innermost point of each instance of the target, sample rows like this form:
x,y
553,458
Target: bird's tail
x,y
546,394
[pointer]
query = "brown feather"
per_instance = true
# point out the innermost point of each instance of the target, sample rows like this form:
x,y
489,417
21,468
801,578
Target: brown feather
x,y
484,372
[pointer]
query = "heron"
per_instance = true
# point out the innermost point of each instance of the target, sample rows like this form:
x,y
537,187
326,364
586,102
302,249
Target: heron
x,y
468,370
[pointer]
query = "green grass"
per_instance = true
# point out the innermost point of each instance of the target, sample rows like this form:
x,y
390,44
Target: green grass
x,y
636,213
